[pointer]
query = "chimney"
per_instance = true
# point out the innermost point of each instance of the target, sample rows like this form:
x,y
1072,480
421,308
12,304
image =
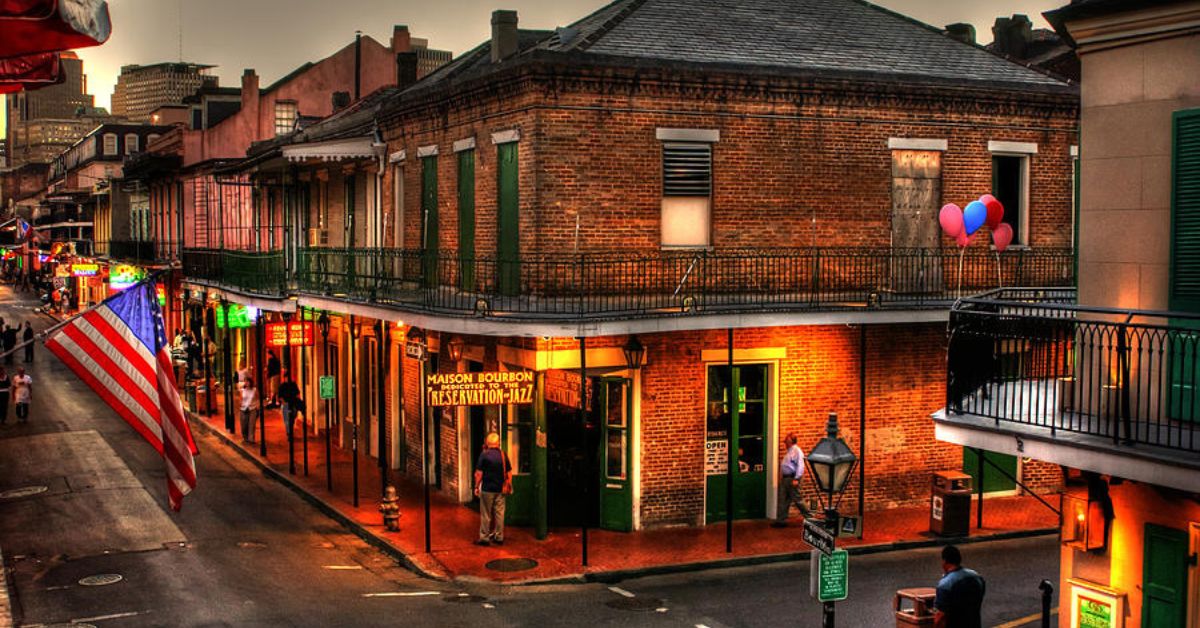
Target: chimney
x,y
504,35
1012,36
406,69
962,32
401,39
249,87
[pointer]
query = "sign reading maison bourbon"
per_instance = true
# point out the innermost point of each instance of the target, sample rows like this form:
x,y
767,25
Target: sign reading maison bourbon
x,y
480,389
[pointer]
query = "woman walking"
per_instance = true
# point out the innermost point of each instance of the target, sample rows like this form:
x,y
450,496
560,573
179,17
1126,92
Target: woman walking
x,y
249,409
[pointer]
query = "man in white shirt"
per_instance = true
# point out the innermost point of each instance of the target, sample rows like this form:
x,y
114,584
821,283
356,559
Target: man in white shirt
x,y
791,469
22,386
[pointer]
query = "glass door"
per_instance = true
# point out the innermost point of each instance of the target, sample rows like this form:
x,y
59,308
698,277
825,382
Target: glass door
x,y
616,494
745,413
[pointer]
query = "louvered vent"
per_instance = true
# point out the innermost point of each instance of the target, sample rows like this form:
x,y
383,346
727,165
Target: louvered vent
x,y
687,169
1185,262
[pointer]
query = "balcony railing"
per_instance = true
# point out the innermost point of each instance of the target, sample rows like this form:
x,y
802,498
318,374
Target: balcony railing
x,y
261,273
1128,376
137,251
616,285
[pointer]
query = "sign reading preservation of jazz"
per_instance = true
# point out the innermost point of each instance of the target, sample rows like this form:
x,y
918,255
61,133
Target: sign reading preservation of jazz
x,y
480,389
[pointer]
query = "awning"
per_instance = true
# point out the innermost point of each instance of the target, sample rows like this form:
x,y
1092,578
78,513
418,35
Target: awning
x,y
32,26
334,150
30,72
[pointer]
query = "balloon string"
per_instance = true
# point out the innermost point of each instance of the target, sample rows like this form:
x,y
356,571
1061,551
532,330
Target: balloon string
x,y
958,291
999,274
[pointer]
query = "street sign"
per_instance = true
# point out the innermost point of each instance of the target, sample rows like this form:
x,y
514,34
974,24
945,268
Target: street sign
x,y
829,576
327,387
414,350
817,536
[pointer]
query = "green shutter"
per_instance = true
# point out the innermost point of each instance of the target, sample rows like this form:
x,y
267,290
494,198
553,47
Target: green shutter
x,y
508,237
429,222
1185,212
466,220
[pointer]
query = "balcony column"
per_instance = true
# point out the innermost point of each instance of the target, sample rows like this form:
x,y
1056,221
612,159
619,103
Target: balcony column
x,y
540,462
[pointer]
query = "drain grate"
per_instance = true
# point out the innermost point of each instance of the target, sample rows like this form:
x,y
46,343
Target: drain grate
x,y
464,598
101,580
511,564
639,604
24,491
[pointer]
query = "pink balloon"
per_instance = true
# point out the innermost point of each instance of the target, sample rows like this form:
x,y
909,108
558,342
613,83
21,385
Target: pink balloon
x,y
951,219
995,210
1002,236
962,238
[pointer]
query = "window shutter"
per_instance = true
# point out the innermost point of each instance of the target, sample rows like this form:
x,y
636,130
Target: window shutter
x,y
1185,212
687,169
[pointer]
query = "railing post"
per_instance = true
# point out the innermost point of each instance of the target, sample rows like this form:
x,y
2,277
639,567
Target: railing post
x,y
1123,365
816,277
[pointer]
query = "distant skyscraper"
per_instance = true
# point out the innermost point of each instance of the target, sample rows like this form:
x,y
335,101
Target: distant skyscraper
x,y
42,123
428,59
141,89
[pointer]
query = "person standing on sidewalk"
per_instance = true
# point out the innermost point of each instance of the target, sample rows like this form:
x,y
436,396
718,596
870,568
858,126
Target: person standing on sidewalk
x,y
493,482
273,372
10,343
28,336
959,600
5,387
22,386
291,403
791,470
249,407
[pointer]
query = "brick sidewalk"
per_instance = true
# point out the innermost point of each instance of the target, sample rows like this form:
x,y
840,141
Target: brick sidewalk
x,y
611,554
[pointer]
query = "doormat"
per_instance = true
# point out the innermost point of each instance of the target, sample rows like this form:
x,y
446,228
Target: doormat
x,y
511,564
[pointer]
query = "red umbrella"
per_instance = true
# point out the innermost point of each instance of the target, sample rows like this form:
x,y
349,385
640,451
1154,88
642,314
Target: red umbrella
x,y
30,72
32,26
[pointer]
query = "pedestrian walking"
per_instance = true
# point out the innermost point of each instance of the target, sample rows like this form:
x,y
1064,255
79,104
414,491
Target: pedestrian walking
x,y
291,403
791,470
493,483
27,336
273,372
959,600
10,343
5,387
249,407
193,354
22,386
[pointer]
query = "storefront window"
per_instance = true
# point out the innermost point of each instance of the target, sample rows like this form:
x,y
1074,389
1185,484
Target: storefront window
x,y
748,419
520,437
615,450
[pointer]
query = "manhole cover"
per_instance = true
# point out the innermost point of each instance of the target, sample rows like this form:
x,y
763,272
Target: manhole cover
x,y
101,579
24,491
642,604
463,598
511,564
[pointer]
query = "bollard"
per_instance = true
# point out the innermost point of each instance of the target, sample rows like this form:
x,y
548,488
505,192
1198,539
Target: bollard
x,y
390,507
1047,590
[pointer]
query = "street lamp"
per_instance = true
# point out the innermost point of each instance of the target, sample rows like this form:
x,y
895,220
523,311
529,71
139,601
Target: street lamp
x,y
634,353
831,462
323,326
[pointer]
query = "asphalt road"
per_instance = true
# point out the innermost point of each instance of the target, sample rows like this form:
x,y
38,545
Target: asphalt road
x,y
247,552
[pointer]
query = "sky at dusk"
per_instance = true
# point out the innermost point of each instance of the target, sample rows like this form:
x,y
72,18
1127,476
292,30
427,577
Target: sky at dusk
x,y
275,36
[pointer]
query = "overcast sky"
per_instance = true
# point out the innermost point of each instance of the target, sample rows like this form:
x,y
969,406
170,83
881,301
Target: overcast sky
x,y
275,36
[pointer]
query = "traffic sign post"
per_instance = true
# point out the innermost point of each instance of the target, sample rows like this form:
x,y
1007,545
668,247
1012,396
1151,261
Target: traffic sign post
x,y
328,390
829,576
817,536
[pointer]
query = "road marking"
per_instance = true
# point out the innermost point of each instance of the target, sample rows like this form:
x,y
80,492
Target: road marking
x,y
341,567
620,591
701,626
402,594
661,609
489,606
1026,620
85,620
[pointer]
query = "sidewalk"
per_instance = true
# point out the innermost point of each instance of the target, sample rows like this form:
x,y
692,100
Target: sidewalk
x,y
611,555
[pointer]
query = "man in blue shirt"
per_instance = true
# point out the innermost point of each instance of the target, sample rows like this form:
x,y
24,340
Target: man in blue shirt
x,y
791,469
493,481
959,601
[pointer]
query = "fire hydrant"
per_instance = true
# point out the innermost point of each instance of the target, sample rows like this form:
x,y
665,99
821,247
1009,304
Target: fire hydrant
x,y
390,507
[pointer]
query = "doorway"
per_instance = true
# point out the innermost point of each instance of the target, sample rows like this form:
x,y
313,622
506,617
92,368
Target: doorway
x,y
1164,577
747,419
368,369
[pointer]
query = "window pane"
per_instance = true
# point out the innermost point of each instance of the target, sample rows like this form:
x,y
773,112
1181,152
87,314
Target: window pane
x,y
752,379
718,406
750,454
616,454
520,438
616,404
685,221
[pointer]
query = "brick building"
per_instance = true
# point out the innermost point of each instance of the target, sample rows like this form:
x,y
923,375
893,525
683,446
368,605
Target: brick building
x,y
658,175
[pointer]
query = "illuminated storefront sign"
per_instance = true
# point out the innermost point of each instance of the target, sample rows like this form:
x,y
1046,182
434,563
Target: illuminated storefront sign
x,y
1095,606
161,293
124,276
236,316
85,270
295,334
490,388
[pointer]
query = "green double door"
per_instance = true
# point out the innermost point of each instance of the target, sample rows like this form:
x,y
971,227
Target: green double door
x,y
1164,578
745,415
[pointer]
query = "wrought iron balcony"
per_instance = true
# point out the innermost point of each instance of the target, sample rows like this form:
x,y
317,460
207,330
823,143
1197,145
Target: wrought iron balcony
x,y
1036,366
625,285
136,251
260,273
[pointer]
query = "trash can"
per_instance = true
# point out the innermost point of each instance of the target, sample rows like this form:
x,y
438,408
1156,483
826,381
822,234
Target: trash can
x,y
950,504
919,611
189,396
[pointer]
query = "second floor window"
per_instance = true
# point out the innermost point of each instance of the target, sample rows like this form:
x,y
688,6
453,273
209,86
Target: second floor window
x,y
686,194
286,113
131,143
110,144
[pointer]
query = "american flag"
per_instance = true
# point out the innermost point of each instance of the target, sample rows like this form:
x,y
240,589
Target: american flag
x,y
120,349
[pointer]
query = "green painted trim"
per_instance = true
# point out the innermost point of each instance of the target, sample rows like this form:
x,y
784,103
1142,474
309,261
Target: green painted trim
x,y
466,219
540,463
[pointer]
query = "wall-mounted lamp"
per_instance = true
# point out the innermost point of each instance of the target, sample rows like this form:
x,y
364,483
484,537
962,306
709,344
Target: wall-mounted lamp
x,y
634,353
1087,521
454,349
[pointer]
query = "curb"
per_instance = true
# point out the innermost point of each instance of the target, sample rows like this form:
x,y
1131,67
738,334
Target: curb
x,y
605,577
6,612
325,507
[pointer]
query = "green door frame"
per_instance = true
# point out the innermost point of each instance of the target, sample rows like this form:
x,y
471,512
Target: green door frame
x,y
616,490
466,220
1164,577
429,220
508,237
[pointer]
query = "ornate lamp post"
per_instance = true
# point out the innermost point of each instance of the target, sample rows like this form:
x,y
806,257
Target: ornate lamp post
x,y
323,326
831,462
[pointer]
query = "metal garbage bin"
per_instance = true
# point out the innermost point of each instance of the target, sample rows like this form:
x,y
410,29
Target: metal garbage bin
x,y
920,609
950,504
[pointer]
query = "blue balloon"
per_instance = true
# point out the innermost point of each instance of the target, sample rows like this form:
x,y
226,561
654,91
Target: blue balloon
x,y
974,215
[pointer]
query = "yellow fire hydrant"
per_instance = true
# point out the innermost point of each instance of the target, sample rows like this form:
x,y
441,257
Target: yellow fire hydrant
x,y
390,507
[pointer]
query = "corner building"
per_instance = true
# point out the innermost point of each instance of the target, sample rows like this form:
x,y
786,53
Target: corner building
x,y
658,174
